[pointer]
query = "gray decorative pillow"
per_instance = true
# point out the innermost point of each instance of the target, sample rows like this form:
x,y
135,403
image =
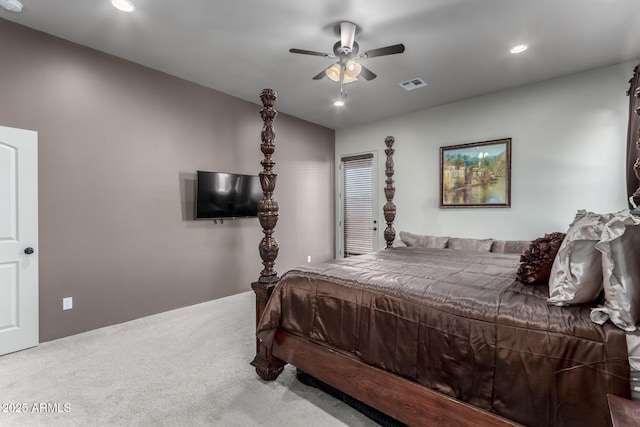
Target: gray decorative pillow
x,y
419,241
620,248
510,246
483,245
576,274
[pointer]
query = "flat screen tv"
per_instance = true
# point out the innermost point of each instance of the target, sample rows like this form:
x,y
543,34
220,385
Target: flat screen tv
x,y
227,195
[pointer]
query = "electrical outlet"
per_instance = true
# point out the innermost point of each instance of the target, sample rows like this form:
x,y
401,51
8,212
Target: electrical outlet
x,y
309,258
67,303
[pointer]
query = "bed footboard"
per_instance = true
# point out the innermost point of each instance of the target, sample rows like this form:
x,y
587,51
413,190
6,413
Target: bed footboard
x,y
404,400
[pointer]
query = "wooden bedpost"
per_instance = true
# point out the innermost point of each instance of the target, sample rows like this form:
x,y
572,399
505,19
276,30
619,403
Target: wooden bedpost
x,y
636,167
389,191
267,366
268,206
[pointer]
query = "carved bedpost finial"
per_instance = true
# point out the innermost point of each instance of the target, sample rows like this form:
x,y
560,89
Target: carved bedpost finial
x,y
268,206
389,191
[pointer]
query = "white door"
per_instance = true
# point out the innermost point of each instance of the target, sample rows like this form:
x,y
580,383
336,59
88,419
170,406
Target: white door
x,y
18,239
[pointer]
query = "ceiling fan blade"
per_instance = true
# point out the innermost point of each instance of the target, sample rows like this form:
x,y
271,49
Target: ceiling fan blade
x,y
322,73
382,51
366,73
310,52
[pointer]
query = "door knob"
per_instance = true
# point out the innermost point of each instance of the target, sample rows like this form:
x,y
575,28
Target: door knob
x,y
29,251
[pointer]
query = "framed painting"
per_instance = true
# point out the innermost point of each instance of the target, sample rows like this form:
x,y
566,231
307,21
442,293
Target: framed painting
x,y
476,175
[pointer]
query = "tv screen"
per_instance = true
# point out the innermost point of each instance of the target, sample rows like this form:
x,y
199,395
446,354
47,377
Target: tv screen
x,y
227,195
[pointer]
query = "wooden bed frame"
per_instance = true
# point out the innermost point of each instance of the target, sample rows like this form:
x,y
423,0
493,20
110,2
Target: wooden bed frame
x,y
404,400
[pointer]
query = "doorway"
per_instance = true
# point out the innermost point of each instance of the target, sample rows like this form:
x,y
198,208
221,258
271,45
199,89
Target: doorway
x,y
357,201
19,327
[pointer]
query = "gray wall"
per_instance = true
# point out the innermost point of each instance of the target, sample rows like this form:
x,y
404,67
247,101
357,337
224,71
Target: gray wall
x,y
119,145
568,153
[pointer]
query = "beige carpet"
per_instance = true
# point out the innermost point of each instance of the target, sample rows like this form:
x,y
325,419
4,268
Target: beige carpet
x,y
186,367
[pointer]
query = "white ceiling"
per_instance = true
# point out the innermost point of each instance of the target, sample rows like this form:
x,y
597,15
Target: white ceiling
x,y
459,47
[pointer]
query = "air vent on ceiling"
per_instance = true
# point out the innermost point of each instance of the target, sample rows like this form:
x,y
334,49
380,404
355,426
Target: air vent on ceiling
x,y
413,84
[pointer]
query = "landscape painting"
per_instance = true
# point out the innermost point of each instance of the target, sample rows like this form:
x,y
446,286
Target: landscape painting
x,y
476,174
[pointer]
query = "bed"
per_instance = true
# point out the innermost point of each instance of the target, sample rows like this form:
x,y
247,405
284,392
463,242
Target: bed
x,y
433,336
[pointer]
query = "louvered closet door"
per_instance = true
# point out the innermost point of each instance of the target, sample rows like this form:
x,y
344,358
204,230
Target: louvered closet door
x,y
358,201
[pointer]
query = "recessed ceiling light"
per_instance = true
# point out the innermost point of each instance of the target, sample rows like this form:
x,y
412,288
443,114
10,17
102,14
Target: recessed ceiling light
x,y
519,48
11,5
123,5
339,103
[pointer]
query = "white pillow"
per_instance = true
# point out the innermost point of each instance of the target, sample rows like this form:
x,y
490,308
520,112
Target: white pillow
x,y
576,274
620,248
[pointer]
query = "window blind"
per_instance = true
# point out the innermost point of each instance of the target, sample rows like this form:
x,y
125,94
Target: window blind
x,y
358,204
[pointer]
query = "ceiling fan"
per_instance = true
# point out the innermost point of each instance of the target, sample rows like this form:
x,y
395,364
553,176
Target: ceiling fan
x,y
347,69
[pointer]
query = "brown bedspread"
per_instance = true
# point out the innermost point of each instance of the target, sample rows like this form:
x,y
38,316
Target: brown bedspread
x,y
459,323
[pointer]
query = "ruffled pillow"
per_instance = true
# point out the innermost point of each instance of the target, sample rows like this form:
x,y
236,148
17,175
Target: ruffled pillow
x,y
415,240
536,262
576,274
620,248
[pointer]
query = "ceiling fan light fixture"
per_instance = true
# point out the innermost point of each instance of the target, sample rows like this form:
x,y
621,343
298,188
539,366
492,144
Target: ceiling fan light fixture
x,y
352,70
346,69
333,73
